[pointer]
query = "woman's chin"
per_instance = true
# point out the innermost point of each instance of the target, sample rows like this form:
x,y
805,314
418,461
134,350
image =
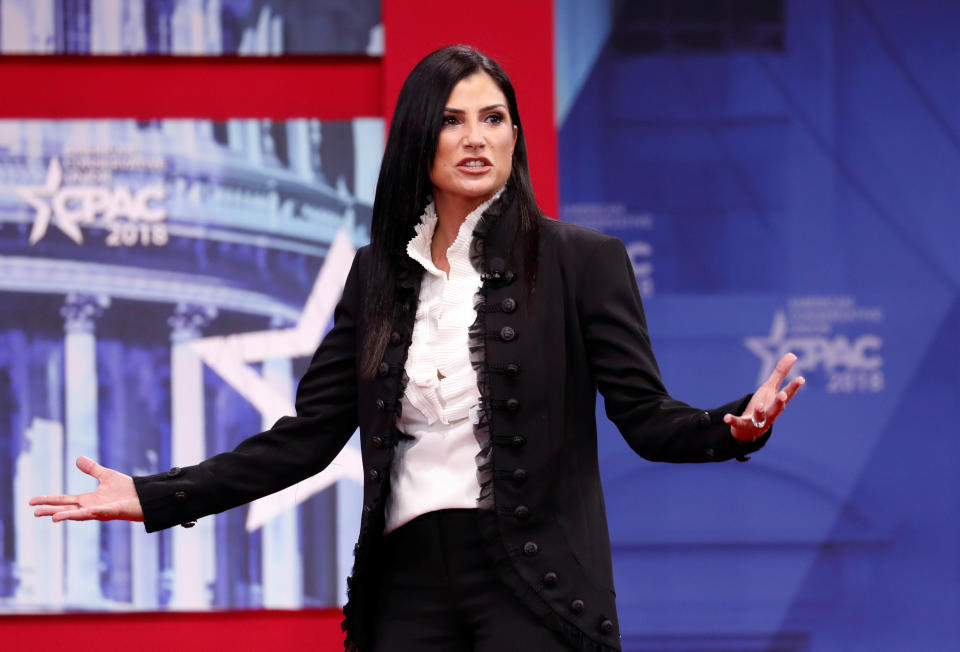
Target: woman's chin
x,y
479,191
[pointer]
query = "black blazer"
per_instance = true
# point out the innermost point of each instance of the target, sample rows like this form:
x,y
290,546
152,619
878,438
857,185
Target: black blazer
x,y
541,354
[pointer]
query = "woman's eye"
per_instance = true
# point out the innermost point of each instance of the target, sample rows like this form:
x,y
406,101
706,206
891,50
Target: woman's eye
x,y
495,118
449,120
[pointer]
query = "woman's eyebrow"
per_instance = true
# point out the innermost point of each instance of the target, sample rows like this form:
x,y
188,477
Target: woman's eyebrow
x,y
450,109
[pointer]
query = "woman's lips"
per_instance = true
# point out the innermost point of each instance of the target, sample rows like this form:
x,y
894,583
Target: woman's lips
x,y
474,169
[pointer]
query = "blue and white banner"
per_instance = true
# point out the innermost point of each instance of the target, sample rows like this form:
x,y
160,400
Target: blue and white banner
x,y
191,27
785,178
163,285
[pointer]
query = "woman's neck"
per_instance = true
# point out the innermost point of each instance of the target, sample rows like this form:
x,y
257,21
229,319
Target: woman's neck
x,y
451,213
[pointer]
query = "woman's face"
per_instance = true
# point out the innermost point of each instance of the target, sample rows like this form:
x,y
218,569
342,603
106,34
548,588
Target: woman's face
x,y
475,149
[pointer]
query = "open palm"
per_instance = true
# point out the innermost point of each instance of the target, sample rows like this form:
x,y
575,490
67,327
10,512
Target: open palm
x,y
115,498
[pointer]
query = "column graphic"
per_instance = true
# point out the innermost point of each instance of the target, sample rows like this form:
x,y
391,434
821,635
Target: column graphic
x,y
192,547
39,543
80,359
282,568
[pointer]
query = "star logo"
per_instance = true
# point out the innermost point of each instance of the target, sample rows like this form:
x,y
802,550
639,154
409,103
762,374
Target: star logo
x,y
40,197
849,363
771,347
69,207
230,357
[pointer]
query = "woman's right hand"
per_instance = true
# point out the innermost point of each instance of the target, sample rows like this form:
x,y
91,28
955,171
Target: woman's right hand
x,y
115,498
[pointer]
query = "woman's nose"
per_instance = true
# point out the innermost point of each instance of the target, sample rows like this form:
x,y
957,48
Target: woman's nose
x,y
474,136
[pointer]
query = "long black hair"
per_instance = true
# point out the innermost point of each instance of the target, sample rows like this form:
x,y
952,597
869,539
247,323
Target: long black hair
x,y
404,183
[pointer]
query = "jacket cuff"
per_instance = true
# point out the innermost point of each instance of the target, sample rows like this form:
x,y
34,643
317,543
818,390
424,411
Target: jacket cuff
x,y
174,497
727,446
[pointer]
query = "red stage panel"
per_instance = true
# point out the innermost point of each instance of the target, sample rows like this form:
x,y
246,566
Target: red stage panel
x,y
518,35
277,631
330,88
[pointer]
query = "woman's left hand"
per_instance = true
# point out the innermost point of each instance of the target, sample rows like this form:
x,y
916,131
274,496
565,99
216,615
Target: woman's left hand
x,y
767,403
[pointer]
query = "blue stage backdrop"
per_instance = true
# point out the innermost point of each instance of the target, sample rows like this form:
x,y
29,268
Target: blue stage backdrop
x,y
191,27
163,285
786,176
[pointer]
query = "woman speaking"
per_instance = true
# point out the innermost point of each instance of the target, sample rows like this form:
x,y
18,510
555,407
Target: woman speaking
x,y
468,347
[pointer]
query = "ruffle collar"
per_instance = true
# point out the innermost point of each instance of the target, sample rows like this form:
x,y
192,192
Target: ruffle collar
x,y
460,250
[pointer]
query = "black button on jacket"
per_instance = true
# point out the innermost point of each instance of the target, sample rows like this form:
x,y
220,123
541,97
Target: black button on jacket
x,y
583,329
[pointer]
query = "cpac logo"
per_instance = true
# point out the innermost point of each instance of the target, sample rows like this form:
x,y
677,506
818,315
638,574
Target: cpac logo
x,y
851,366
69,208
641,254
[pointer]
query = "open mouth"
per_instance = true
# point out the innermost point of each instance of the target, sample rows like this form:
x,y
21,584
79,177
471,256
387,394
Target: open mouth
x,y
474,165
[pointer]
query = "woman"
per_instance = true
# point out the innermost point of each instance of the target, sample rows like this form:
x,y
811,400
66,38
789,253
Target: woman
x,y
468,347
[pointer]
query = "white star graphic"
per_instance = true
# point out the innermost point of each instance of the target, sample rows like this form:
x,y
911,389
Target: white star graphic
x,y
34,195
770,348
229,356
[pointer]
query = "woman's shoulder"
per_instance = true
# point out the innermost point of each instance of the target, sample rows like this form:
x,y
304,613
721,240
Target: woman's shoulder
x,y
362,259
356,277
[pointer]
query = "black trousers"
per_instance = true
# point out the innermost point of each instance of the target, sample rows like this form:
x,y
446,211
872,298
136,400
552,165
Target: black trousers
x,y
439,593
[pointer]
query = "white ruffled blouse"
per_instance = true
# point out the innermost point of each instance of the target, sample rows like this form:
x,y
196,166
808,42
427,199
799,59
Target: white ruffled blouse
x,y
437,469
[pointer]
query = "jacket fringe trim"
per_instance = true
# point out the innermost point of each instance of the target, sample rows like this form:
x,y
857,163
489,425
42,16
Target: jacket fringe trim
x,y
476,343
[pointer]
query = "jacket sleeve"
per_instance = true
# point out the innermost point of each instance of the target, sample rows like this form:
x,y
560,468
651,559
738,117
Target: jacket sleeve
x,y
656,426
293,449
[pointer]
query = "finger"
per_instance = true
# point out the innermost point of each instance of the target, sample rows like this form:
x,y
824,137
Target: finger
x,y
794,385
50,511
128,510
760,413
780,403
82,514
741,428
90,467
784,365
739,422
59,499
